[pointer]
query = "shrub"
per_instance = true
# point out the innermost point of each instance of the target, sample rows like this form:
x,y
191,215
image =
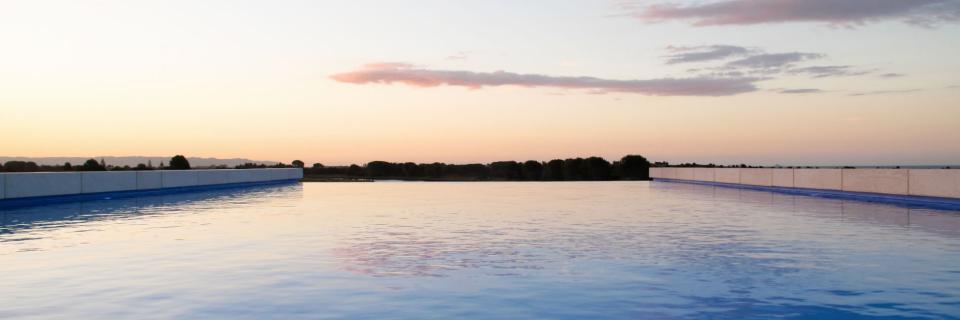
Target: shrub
x,y
179,162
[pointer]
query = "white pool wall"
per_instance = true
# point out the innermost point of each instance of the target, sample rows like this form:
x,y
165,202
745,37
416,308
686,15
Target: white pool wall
x,y
917,182
41,184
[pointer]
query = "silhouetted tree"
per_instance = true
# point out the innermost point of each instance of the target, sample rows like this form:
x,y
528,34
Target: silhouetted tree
x,y
507,170
635,167
179,162
411,170
316,168
434,170
355,170
92,165
532,170
21,166
377,169
67,166
249,165
596,168
297,164
141,167
573,169
553,171
592,168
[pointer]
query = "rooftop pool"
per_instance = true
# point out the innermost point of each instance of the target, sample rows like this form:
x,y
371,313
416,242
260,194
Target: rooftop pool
x,y
410,250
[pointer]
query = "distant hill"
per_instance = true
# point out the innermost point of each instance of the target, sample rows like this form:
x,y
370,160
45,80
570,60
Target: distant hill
x,y
134,160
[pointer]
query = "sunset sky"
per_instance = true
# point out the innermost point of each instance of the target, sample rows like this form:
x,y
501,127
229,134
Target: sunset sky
x,y
791,82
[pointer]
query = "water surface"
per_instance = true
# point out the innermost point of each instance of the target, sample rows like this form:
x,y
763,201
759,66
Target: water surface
x,y
617,250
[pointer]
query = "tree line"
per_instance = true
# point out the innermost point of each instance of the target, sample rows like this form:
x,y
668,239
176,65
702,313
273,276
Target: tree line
x,y
178,162
631,167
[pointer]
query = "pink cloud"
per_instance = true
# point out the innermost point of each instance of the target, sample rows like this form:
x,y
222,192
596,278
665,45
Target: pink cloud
x,y
388,73
842,12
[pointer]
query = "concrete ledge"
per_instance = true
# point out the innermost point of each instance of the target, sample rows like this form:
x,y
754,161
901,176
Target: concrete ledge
x,y
241,176
916,201
704,174
937,183
825,179
94,182
147,180
213,177
292,174
23,185
757,177
889,181
45,200
727,175
64,185
666,172
174,178
684,173
656,172
783,178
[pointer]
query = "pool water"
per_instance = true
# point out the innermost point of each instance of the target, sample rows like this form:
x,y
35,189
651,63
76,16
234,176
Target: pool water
x,y
408,250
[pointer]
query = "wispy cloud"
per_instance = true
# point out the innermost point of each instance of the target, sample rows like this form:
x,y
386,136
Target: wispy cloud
x,y
892,75
736,61
462,55
835,12
829,71
773,60
879,92
388,73
704,53
799,91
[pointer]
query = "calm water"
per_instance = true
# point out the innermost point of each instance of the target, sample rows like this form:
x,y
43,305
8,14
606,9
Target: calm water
x,y
480,250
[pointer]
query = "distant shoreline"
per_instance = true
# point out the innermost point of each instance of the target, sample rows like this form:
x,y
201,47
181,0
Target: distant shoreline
x,y
340,178
316,178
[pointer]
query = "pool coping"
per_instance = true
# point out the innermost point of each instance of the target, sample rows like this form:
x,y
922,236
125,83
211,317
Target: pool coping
x,y
45,200
903,200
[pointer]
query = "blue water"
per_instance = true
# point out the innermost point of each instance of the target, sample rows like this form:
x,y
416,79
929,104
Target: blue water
x,y
605,250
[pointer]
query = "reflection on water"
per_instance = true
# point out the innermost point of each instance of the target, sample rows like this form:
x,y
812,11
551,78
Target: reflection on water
x,y
58,215
480,250
851,211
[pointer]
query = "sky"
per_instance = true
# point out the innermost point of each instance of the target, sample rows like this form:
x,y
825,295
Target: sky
x,y
766,82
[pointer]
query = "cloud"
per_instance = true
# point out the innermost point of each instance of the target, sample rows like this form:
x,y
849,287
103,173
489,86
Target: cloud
x,y
462,55
749,58
892,75
829,71
754,62
773,60
879,92
705,53
388,73
800,91
836,12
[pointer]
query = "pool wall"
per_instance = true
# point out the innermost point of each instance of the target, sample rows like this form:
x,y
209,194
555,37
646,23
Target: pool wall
x,y
939,183
33,187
